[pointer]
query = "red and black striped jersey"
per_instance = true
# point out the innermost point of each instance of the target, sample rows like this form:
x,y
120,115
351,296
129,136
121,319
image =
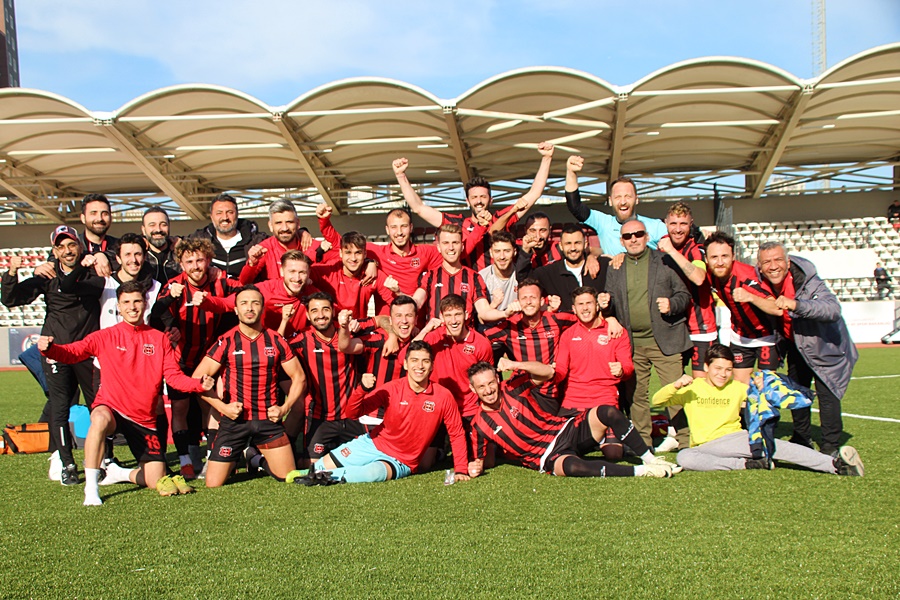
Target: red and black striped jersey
x,y
746,320
250,368
519,426
452,358
478,251
384,368
199,328
440,283
552,254
331,377
701,312
523,342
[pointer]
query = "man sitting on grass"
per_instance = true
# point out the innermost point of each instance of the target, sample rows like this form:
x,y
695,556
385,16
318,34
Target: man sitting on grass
x,y
718,443
134,359
512,418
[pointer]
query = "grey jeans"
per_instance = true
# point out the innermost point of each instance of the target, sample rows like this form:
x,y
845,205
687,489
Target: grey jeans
x,y
728,453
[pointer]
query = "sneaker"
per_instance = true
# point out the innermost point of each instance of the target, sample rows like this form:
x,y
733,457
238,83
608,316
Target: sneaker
x,y
249,453
166,487
187,471
831,451
295,474
181,485
69,475
848,462
759,463
659,469
669,444
56,467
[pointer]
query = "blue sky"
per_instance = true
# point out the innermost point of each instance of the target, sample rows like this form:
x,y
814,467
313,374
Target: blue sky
x,y
103,53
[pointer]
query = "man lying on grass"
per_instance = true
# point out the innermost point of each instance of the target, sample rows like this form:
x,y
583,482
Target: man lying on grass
x,y
134,358
718,443
415,408
512,418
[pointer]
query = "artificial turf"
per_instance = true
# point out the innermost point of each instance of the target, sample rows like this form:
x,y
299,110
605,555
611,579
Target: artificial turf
x,y
510,534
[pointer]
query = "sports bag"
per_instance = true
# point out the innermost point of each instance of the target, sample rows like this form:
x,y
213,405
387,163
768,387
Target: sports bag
x,y
27,438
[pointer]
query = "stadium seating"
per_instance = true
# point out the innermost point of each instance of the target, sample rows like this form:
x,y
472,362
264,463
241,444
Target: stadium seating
x,y
33,314
847,248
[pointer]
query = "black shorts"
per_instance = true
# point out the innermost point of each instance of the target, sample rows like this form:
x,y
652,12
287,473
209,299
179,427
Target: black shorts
x,y
325,436
442,438
575,439
696,356
143,442
763,357
236,436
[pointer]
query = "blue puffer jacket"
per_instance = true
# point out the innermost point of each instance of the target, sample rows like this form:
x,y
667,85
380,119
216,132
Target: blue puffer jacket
x,y
820,332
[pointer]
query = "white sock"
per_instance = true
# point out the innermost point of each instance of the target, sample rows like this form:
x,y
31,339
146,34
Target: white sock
x,y
639,470
116,474
647,456
671,432
91,493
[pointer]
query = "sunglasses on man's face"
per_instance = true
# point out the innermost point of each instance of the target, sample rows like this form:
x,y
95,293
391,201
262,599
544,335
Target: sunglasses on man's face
x,y
635,234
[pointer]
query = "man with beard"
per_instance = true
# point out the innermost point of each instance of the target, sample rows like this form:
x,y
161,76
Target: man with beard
x,y
649,299
537,234
478,196
135,358
161,256
70,317
414,410
532,335
623,199
250,357
816,340
511,418
96,218
563,277
331,376
454,278
230,235
499,276
752,310
264,259
198,329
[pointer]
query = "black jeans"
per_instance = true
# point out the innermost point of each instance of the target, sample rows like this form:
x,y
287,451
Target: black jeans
x,y
62,384
829,404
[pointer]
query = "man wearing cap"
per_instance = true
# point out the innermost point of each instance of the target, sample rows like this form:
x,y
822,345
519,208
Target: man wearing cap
x,y
70,317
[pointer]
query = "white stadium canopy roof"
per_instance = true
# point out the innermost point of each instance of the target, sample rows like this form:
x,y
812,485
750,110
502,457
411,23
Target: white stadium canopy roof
x,y
712,120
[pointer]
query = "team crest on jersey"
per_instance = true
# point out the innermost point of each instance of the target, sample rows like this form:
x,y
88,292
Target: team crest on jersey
x,y
464,288
345,452
414,262
319,448
514,411
270,351
149,350
469,349
603,340
225,451
549,335
428,406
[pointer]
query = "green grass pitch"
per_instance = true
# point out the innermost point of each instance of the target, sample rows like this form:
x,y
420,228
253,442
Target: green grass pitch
x,y
510,534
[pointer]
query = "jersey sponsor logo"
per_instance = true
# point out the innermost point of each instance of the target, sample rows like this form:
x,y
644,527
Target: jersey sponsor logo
x,y
236,352
319,448
345,452
497,429
225,451
576,339
413,262
439,285
464,288
469,349
270,351
603,339
522,337
122,348
428,406
149,349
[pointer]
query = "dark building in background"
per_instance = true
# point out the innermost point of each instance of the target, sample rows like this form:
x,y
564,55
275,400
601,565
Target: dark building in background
x,y
9,52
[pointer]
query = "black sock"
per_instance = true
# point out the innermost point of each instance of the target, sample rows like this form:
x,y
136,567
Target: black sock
x,y
623,428
162,428
181,442
575,466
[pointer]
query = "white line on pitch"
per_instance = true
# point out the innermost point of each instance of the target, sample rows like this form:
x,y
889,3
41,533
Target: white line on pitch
x,y
875,377
867,417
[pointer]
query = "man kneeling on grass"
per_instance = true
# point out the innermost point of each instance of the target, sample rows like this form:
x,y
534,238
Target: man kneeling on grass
x,y
415,408
134,358
512,418
718,443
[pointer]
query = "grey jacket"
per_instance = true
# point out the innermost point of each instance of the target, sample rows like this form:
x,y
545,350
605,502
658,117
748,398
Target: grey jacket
x,y
820,333
670,331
